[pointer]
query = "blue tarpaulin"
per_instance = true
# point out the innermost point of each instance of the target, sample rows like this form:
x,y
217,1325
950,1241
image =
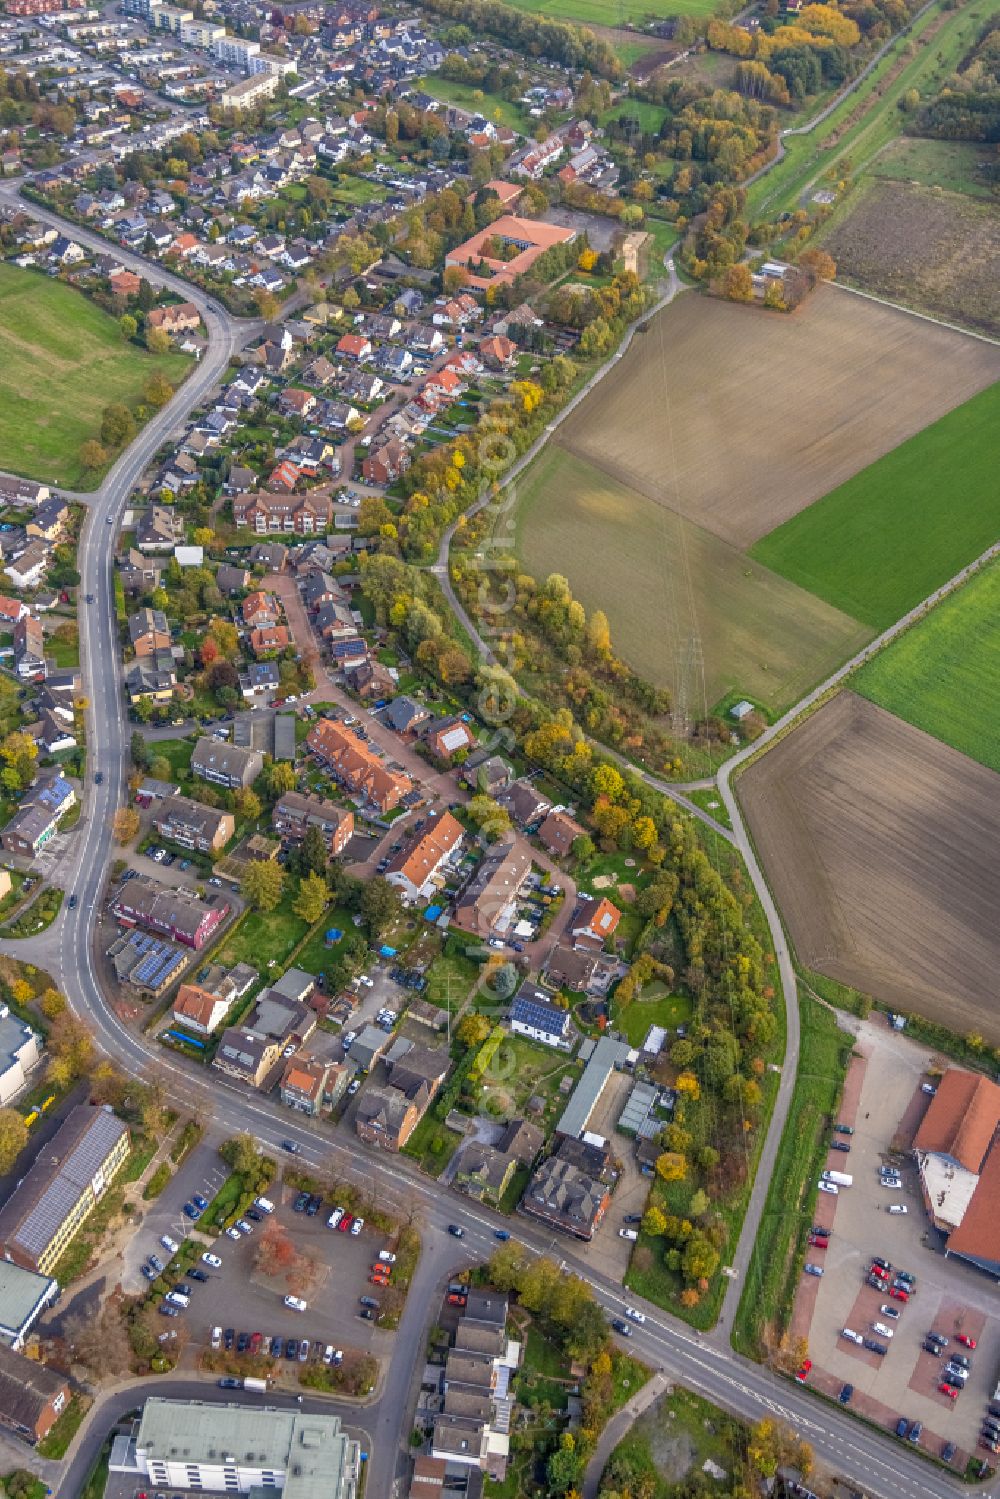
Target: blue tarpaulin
x,y
433,912
333,935
387,952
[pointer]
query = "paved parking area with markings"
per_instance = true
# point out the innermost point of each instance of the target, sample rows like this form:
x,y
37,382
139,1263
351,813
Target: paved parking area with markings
x,y
883,1089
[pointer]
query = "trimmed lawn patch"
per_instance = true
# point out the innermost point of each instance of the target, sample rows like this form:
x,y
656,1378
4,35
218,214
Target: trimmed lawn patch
x,y
56,1443
432,1144
943,675
668,1010
315,956
177,752
449,979
901,527
62,360
265,939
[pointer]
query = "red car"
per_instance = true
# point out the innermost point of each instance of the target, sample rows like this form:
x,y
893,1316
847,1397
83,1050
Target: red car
x,y
345,1223
877,1270
898,1294
381,1268
802,1374
255,1342
949,1390
965,1340
819,1243
455,1300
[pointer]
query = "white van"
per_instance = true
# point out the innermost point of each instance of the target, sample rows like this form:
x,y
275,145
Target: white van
x,y
177,1298
262,1204
169,1243
898,1207
852,1337
628,1233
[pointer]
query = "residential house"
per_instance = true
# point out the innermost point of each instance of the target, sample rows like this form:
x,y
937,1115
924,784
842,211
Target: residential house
x,y
485,1171
182,317
498,352
260,677
28,569
178,913
20,1047
571,1189
270,555
193,825
22,493
527,238
124,283
580,970
231,579
200,1010
259,609
38,815
228,765
29,648
405,716
558,833
294,402
151,677
269,640
251,1051
387,1116
356,766
449,737
294,814
11,611
159,529
595,922
362,386
370,680
488,903
49,521
310,1083
149,632
417,870
354,346
387,463
533,1014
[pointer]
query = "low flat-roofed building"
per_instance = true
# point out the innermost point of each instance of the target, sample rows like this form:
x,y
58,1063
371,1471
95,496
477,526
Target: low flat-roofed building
x,y
245,1449
24,1296
44,1212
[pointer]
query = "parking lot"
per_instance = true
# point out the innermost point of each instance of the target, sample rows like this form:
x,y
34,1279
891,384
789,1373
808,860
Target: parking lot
x,y
203,1172
244,1298
883,1102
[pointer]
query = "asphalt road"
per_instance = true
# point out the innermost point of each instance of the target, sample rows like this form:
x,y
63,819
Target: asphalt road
x,y
706,1364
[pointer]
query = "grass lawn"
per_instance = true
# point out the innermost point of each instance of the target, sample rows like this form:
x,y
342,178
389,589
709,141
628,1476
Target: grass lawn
x,y
709,800
62,360
648,117
519,1070
56,1443
956,166
315,955
432,1144
264,938
63,652
356,191
773,1272
635,1019
943,675
598,13
177,753
465,96
676,1436
449,979
893,533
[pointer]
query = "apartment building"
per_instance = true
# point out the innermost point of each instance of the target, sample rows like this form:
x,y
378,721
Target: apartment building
x,y
228,765
193,825
294,814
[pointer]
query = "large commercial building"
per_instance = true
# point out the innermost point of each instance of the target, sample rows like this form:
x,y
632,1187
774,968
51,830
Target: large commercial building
x,y
44,1212
957,1147
233,1449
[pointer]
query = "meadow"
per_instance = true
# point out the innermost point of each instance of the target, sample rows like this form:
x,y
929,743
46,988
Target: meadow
x,y
901,527
62,360
943,675
671,589
602,13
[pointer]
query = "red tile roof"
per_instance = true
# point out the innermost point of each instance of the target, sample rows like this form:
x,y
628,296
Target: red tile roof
x,y
962,1119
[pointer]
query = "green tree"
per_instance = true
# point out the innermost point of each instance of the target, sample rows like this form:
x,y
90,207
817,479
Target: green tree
x,y
380,906
671,1166
492,820
157,341
13,1138
312,854
278,778
247,804
128,325
472,1030
654,1221
312,898
263,884
92,455
117,425
242,1156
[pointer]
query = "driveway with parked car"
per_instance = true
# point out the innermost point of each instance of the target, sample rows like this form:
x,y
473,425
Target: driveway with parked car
x,y
203,1174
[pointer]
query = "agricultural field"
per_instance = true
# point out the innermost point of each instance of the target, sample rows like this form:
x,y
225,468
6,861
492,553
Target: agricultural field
x,y
692,420
882,846
62,360
943,675
932,250
664,582
900,528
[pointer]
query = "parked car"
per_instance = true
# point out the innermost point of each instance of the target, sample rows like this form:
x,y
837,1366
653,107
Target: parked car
x,y
335,1217
902,1426
802,1372
913,1435
840,1145
621,1328
156,1262
949,1390
229,1338
891,1311
965,1340
369,1301
931,1348
197,1274
296,1303
813,1269
387,1257
357,1226
213,1260
948,1452
829,1187
846,1391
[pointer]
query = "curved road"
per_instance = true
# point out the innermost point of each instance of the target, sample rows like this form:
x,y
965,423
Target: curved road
x,y
705,1363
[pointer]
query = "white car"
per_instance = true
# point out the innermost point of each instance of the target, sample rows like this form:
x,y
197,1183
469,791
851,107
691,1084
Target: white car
x,y
635,1314
882,1330
169,1243
213,1260
893,1183
851,1335
233,1233
898,1207
335,1217
328,1353
216,1337
296,1303
368,983
890,1311
387,1257
830,1187
357,1226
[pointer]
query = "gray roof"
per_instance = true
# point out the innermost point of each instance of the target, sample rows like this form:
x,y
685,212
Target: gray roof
x,y
317,1458
26,1388
57,1180
606,1056
284,736
21,1292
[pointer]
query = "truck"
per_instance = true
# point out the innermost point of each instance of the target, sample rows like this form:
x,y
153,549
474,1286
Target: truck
x,y
839,1178
260,1385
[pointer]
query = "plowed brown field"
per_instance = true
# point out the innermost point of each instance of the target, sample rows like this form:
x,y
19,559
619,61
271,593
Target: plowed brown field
x,y
738,419
882,846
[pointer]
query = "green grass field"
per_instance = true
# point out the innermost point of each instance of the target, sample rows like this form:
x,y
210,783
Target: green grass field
x,y
956,166
62,360
943,675
773,1272
603,13
900,528
663,580
465,96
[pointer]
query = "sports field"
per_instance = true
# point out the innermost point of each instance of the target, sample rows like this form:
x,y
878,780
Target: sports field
x,y
665,583
739,419
900,528
943,675
882,847
62,360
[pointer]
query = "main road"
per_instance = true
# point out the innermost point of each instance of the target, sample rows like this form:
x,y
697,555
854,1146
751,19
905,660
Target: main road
x,y
704,1363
